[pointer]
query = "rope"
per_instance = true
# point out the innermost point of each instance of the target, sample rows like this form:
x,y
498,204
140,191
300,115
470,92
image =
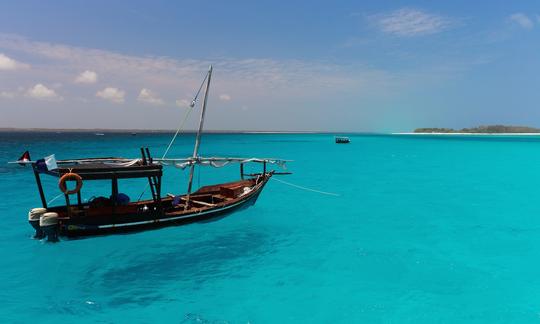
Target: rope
x,y
178,131
60,195
170,144
50,201
186,117
305,188
179,127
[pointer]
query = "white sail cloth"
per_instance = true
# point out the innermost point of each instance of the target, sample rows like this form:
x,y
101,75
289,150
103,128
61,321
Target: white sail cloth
x,y
124,164
216,162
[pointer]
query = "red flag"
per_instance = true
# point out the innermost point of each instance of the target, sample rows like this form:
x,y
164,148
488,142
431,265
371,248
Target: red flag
x,y
24,158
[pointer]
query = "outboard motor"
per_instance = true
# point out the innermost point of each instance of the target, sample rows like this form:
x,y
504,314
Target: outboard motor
x,y
49,226
34,215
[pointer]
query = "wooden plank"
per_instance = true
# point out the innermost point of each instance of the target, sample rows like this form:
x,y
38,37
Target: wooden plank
x,y
198,202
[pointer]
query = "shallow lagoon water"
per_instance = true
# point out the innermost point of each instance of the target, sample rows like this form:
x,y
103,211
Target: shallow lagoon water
x,y
425,230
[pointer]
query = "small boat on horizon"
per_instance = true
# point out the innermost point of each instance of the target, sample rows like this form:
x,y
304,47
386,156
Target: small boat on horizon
x,y
342,140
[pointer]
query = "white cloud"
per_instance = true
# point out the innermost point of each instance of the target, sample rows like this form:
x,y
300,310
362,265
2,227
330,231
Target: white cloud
x,y
522,20
7,94
183,103
112,94
271,81
408,22
87,77
224,97
7,63
149,97
39,91
257,75
276,84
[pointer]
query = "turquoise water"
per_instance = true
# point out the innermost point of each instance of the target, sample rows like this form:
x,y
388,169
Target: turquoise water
x,y
425,230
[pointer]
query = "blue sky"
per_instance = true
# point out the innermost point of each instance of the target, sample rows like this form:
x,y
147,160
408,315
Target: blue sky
x,y
335,66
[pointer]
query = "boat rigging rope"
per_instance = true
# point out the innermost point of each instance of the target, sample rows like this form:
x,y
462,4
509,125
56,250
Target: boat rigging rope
x,y
50,201
59,195
186,116
305,188
178,130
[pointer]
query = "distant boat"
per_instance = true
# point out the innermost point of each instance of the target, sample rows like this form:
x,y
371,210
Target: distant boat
x,y
99,134
342,140
133,134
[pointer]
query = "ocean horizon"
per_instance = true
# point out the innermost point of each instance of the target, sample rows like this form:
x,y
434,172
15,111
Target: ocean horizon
x,y
186,131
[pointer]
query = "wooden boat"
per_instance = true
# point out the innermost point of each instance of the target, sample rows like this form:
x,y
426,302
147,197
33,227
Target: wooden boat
x,y
116,214
342,140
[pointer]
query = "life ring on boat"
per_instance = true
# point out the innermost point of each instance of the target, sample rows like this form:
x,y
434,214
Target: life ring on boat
x,y
70,177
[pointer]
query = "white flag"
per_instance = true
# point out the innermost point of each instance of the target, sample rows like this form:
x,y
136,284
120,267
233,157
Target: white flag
x,y
50,161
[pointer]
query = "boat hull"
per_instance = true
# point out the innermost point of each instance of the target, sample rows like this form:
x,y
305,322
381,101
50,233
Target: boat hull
x,y
73,229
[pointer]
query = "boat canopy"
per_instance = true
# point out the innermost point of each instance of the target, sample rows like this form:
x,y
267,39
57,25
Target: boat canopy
x,y
104,168
218,162
99,169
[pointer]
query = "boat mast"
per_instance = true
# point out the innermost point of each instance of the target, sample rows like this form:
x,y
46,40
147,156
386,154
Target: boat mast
x,y
198,138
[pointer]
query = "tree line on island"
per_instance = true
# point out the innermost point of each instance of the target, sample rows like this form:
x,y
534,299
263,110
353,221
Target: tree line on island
x,y
490,129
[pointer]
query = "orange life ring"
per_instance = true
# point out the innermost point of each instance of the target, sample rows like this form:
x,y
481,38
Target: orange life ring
x,y
70,177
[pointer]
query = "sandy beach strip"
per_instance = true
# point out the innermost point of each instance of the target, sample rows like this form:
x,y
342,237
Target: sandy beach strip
x,y
471,134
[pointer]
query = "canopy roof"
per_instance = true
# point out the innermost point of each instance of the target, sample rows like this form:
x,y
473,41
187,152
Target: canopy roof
x,y
111,167
104,168
217,162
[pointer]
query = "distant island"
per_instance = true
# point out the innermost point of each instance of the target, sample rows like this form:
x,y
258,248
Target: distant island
x,y
490,129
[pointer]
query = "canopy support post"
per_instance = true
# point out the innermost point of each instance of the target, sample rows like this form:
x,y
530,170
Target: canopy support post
x,y
242,171
145,160
115,190
114,196
158,195
143,156
40,187
68,205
